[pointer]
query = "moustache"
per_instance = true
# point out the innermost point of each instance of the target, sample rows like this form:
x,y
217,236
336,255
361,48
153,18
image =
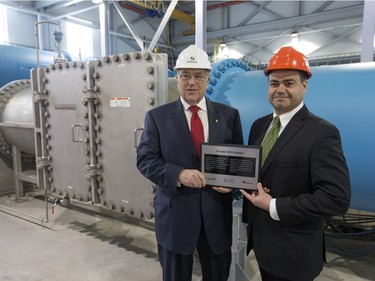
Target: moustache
x,y
281,95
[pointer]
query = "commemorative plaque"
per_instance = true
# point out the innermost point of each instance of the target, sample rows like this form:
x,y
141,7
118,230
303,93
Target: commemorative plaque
x,y
234,166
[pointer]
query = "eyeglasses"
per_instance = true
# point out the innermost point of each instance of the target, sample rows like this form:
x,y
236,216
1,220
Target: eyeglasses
x,y
198,77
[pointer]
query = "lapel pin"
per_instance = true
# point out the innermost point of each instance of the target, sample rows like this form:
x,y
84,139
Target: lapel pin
x,y
216,120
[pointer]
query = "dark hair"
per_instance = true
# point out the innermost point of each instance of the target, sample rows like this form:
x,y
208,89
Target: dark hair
x,y
302,74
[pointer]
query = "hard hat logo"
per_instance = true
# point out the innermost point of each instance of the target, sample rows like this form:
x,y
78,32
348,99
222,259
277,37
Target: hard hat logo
x,y
193,57
192,60
288,58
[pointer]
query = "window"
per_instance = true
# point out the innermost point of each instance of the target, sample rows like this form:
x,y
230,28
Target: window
x,y
79,40
3,25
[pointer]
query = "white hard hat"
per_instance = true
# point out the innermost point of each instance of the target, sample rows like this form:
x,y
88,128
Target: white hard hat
x,y
193,57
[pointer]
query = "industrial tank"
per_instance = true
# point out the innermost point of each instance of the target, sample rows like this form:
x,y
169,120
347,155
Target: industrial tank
x,y
16,132
17,124
342,94
88,121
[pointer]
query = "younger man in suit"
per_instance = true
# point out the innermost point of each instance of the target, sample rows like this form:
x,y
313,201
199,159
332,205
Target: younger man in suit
x,y
303,179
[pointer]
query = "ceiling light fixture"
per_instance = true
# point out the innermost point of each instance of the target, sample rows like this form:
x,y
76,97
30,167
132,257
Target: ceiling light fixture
x,y
295,39
294,34
223,50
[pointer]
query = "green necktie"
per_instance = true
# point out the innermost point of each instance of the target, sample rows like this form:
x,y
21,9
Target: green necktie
x,y
271,138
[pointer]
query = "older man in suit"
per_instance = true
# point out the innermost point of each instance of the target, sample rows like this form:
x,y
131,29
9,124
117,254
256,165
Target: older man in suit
x,y
188,214
303,179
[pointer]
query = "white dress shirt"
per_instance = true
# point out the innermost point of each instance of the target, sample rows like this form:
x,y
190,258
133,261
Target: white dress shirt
x,y
202,113
284,120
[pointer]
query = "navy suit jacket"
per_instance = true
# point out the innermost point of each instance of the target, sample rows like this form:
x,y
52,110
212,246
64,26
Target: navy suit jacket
x,y
307,173
165,148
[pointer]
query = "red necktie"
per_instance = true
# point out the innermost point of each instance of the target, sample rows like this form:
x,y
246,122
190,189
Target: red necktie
x,y
196,128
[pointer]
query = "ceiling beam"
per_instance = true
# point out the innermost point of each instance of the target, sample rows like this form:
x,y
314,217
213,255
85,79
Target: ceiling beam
x,y
42,4
322,7
264,10
75,12
253,14
55,5
335,40
129,25
281,24
176,14
268,42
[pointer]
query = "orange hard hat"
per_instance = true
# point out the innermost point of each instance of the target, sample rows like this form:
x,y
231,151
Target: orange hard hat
x,y
288,58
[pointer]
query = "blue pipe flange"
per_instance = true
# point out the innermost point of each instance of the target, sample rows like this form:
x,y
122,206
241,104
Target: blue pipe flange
x,y
220,77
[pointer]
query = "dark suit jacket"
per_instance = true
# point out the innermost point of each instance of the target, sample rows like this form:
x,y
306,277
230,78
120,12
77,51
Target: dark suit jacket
x,y
166,147
307,173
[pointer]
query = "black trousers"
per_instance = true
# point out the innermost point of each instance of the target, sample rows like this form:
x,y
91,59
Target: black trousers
x,y
266,276
177,267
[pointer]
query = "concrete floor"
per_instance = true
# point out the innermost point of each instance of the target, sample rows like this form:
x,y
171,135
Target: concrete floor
x,y
80,243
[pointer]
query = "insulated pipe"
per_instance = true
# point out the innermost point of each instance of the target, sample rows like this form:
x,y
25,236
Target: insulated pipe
x,y
16,117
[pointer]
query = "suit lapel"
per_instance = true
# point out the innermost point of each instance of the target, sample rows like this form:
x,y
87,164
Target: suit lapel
x,y
213,122
294,125
264,127
180,124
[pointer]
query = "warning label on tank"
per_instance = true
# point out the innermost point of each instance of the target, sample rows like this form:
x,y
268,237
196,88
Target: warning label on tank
x,y
120,102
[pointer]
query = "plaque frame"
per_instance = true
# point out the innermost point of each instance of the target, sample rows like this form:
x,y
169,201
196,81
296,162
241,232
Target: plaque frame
x,y
231,165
